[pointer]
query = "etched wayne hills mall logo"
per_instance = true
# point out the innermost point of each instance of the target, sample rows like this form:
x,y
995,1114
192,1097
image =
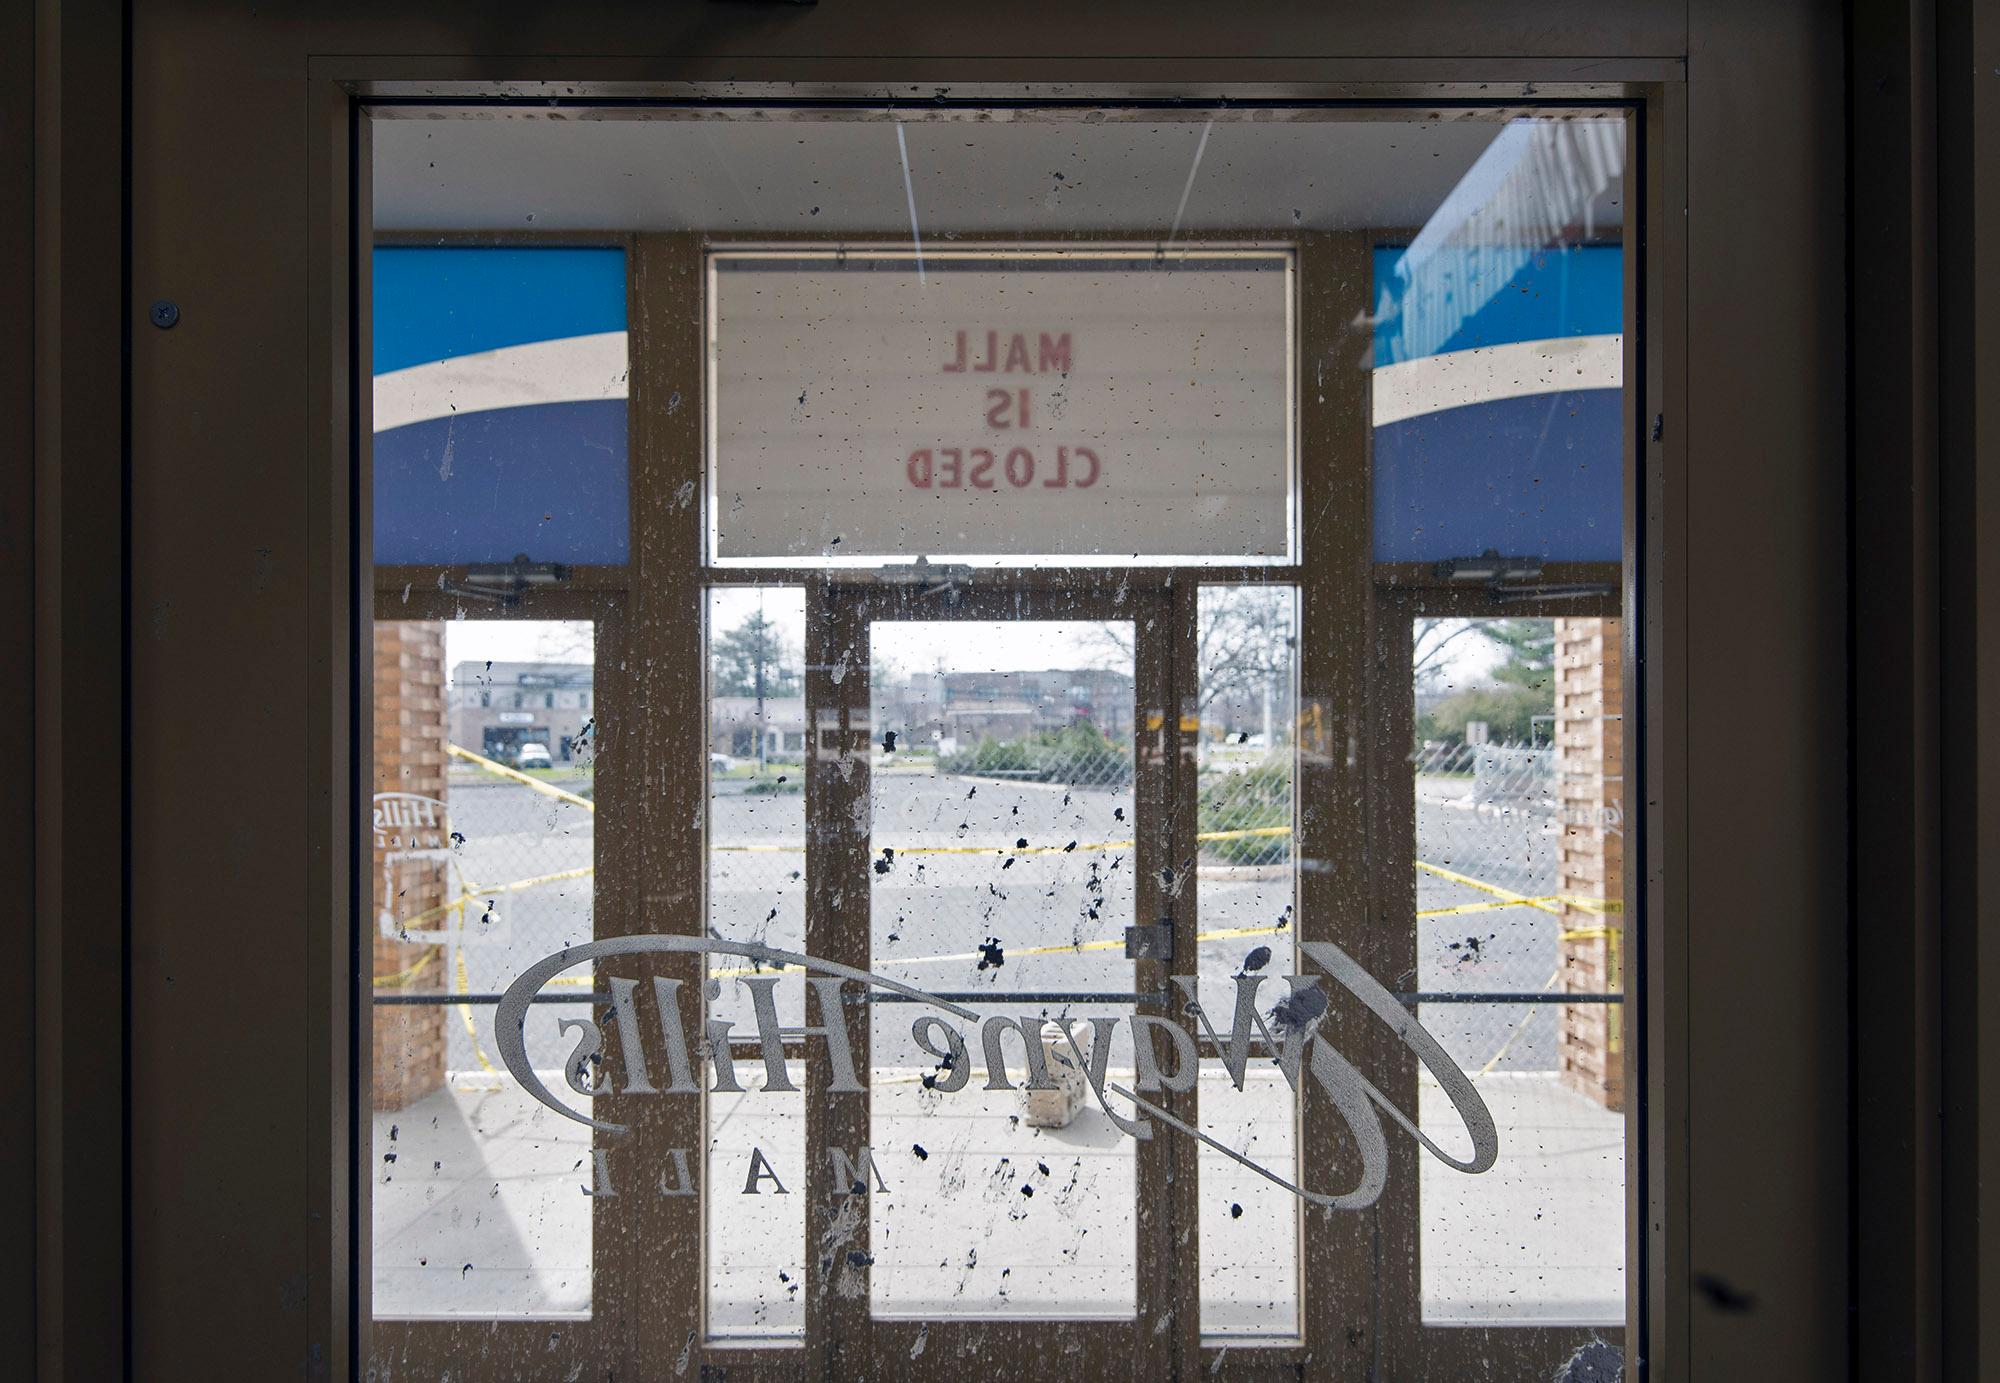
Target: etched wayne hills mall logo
x,y
1290,1030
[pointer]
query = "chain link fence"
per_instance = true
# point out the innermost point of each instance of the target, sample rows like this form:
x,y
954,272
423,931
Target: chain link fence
x,y
1489,836
514,882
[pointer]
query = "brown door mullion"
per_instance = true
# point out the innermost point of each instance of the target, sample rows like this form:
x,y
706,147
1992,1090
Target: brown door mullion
x,y
838,1321
1388,949
662,1295
1169,1182
1155,738
1338,1268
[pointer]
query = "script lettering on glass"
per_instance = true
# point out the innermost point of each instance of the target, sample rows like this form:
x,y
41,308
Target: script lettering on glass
x,y
1292,1031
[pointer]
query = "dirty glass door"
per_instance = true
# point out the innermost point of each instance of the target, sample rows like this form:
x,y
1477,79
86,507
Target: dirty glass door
x,y
1107,795
987,810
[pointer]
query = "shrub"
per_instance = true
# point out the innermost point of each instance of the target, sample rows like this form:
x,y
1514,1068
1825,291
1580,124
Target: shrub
x,y
1246,801
1508,711
1078,753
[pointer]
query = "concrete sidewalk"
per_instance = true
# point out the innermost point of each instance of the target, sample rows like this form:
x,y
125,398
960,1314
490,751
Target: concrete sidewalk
x,y
485,1209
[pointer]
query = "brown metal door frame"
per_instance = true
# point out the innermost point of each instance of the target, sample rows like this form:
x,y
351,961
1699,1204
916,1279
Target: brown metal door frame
x,y
1345,1315
839,616
1527,1351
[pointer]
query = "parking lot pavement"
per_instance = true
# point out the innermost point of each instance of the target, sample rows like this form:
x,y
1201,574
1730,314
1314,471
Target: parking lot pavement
x,y
1056,915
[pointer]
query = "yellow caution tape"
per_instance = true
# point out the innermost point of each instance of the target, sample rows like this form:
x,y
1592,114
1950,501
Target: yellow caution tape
x,y
1519,1028
1505,898
1552,903
998,850
404,978
519,885
465,985
1588,933
500,770
465,1014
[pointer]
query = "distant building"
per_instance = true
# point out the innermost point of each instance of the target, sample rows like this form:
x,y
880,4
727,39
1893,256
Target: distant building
x,y
733,723
495,708
964,707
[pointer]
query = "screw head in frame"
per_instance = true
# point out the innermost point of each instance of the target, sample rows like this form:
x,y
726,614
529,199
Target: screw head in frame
x,y
165,313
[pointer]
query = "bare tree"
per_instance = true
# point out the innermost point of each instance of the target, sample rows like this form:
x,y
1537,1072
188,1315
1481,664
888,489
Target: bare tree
x,y
1244,647
1430,639
565,641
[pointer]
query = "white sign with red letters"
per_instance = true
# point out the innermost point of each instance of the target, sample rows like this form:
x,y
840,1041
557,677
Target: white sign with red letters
x,y
1094,406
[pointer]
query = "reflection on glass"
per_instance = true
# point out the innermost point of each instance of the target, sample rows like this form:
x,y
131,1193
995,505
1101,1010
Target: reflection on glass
x,y
756,749
483,755
1246,639
1003,845
1518,777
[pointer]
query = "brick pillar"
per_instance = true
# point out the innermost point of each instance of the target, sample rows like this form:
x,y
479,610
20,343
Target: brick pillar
x,y
410,835
1590,785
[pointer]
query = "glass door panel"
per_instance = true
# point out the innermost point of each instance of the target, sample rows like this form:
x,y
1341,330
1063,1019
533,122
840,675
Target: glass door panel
x,y
1517,777
1002,862
485,814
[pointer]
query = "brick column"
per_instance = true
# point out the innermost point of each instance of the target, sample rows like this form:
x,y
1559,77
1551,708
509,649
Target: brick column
x,y
408,882
1590,766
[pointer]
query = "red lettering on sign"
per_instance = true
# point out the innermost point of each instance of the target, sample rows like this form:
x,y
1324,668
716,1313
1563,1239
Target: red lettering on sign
x,y
1050,354
958,468
1002,405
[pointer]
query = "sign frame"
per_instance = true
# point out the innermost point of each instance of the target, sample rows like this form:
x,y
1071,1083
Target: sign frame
x,y
920,257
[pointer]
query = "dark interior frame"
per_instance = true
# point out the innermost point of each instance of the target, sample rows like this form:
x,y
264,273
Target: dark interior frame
x,y
201,154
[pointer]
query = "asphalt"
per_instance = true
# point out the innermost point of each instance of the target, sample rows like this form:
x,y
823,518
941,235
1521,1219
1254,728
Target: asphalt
x,y
960,907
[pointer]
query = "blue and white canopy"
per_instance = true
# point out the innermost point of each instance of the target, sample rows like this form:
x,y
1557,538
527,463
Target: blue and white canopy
x,y
1498,405
500,405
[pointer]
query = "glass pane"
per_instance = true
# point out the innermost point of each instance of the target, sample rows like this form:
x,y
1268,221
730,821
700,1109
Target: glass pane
x,y
1518,776
1246,645
758,1183
1002,836
756,892
500,405
999,1203
484,772
1003,815
1498,357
